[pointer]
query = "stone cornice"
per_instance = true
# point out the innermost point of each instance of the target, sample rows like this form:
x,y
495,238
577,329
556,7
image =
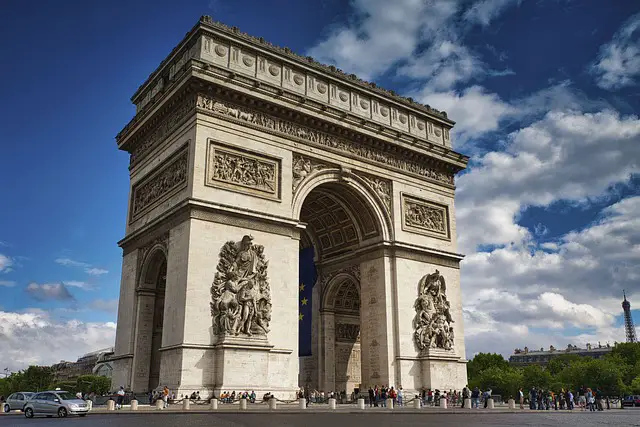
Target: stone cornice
x,y
207,26
140,139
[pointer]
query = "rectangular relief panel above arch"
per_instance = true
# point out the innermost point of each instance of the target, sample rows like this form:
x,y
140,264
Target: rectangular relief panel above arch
x,y
425,217
243,171
170,177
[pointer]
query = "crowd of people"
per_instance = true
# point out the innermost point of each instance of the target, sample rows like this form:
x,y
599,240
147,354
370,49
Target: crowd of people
x,y
584,399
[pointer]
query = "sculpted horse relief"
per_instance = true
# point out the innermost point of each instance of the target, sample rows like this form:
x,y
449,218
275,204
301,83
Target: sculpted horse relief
x,y
240,294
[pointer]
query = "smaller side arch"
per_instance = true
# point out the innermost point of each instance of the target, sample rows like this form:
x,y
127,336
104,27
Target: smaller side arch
x,y
153,260
331,289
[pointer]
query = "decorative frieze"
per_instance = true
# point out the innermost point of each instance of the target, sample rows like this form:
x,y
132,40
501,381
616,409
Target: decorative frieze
x,y
287,128
382,187
168,125
432,323
303,167
166,180
422,216
243,171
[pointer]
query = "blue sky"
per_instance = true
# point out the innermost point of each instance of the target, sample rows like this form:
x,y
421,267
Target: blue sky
x,y
545,94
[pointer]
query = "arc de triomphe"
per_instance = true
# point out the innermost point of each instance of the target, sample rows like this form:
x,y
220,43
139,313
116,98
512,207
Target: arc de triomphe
x,y
243,155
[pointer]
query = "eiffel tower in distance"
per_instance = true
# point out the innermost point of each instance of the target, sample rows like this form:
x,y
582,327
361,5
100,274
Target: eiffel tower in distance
x,y
629,328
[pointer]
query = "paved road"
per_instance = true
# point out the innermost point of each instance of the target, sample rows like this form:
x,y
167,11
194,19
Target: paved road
x,y
582,419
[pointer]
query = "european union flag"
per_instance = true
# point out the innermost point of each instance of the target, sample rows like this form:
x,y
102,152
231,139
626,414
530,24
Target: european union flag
x,y
307,274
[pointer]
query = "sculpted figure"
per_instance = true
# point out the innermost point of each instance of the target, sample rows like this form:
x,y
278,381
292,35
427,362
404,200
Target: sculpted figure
x,y
432,323
240,293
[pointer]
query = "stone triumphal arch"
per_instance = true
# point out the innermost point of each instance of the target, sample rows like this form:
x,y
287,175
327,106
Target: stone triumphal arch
x,y
243,155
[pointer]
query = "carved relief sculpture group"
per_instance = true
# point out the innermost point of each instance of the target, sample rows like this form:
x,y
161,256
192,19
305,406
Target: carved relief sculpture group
x,y
240,294
432,323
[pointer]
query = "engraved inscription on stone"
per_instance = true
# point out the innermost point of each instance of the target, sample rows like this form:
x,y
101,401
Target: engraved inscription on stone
x,y
243,171
425,217
347,332
240,294
162,183
432,323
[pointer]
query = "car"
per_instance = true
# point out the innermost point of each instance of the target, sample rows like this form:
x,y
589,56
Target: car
x,y
16,401
56,402
631,401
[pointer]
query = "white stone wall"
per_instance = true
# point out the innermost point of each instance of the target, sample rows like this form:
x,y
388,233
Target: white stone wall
x,y
429,192
205,241
125,330
255,143
377,331
166,150
176,306
408,274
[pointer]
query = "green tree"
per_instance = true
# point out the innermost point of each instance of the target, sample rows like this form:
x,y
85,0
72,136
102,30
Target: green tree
x,y
559,363
483,361
535,376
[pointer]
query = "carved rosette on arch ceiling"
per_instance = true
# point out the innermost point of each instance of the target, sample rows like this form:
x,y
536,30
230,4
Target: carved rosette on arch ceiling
x,y
240,294
432,323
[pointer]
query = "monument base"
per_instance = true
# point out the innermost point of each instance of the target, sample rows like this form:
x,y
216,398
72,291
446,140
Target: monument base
x,y
252,364
443,369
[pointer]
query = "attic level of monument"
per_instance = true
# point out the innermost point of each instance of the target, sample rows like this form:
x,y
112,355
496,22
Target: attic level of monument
x,y
218,30
430,161
220,54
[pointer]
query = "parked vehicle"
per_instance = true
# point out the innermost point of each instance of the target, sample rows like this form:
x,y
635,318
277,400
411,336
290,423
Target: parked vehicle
x,y
631,400
60,403
16,401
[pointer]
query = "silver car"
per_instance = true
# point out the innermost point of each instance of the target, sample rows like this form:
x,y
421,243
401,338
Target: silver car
x,y
16,401
60,403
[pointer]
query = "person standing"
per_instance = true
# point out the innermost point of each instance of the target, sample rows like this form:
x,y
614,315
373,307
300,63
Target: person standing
x,y
120,400
165,397
521,398
475,395
465,395
400,396
372,397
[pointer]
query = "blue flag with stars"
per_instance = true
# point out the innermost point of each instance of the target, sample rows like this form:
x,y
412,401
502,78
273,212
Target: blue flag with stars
x,y
307,275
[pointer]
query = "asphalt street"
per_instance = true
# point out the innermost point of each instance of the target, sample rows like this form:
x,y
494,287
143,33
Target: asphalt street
x,y
324,419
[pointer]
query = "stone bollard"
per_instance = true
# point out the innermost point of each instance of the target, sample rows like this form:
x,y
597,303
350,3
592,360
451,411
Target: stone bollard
x,y
332,403
214,404
111,405
302,403
467,403
361,403
134,405
443,403
272,403
389,403
159,404
512,404
243,404
186,403
416,403
490,404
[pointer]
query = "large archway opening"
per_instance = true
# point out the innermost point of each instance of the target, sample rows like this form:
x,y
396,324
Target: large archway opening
x,y
340,221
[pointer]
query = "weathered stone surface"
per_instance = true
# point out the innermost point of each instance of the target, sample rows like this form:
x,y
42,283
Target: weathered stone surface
x,y
221,129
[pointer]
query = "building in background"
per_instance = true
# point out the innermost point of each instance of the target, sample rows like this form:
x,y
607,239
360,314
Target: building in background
x,y
542,357
94,363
